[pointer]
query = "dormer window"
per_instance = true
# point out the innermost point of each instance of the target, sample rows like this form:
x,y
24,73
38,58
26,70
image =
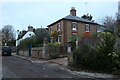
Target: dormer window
x,y
74,25
87,28
58,26
29,34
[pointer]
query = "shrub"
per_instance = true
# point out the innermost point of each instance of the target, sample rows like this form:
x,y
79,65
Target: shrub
x,y
25,43
56,50
102,57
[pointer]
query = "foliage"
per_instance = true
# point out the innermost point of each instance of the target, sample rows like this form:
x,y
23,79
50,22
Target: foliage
x,y
102,57
73,42
54,35
11,43
56,50
41,34
25,43
8,34
51,45
39,45
56,43
109,23
108,42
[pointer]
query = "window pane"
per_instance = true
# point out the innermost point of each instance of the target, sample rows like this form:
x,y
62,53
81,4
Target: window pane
x,y
58,26
87,28
73,25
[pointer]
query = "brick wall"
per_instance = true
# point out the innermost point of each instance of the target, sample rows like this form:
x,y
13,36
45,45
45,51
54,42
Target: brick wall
x,y
66,29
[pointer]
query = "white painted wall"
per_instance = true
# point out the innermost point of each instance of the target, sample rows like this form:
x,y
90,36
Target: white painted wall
x,y
28,34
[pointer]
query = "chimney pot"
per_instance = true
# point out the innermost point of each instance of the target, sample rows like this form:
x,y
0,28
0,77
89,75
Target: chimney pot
x,y
73,11
30,28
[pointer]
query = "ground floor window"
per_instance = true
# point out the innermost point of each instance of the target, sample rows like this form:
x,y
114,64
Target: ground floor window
x,y
59,38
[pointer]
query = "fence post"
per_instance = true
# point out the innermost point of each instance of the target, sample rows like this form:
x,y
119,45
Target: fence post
x,y
30,48
45,52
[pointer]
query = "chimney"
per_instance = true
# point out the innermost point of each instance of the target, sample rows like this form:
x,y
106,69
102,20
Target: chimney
x,y
73,11
30,28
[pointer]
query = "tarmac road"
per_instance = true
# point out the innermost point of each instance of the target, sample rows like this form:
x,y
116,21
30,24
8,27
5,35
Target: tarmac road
x,y
13,67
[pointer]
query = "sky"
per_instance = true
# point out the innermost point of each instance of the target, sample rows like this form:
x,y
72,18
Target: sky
x,y
22,14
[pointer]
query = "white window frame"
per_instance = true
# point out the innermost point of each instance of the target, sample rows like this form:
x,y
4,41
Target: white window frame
x,y
74,26
87,28
58,26
59,36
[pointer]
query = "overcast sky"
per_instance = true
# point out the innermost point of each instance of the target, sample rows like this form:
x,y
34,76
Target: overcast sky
x,y
37,14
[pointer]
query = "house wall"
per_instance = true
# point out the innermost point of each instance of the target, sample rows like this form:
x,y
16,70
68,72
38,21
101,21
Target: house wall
x,y
54,27
66,29
80,29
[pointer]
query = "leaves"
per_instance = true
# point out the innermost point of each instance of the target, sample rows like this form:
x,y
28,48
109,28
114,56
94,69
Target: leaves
x,y
41,34
8,33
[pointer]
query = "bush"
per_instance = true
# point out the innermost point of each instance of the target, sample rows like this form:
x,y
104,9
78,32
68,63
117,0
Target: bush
x,y
56,50
102,57
25,43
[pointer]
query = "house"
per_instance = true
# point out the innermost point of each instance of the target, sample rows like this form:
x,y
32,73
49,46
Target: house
x,y
72,25
24,34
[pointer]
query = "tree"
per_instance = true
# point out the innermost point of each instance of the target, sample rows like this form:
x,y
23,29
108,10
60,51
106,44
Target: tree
x,y
87,16
41,34
54,35
109,22
8,35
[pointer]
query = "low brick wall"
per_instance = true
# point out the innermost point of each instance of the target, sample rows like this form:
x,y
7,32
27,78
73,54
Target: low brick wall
x,y
37,52
24,53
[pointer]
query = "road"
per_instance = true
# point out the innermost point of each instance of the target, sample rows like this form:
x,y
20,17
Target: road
x,y
14,67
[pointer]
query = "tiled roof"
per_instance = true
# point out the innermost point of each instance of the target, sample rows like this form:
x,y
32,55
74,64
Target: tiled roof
x,y
22,34
76,18
70,17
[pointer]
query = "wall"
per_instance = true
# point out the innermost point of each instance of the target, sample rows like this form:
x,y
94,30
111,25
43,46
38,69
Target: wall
x,y
37,52
80,29
66,29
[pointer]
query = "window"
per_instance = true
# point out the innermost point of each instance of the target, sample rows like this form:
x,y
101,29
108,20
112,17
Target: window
x,y
74,24
87,28
58,27
29,34
59,38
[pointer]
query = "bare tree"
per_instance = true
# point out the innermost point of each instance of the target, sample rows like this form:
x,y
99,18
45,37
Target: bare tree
x,y
8,34
109,22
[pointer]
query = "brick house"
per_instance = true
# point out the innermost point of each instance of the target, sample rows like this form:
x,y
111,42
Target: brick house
x,y
72,25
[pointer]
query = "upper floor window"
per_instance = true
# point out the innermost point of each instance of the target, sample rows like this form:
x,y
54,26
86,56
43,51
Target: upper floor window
x,y
87,28
58,26
30,34
74,25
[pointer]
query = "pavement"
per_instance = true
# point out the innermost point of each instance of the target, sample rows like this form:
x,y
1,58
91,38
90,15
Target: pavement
x,y
63,62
